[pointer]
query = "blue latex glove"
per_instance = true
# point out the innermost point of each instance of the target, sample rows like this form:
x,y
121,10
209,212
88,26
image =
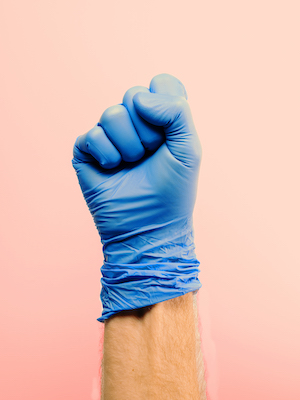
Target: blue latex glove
x,y
138,171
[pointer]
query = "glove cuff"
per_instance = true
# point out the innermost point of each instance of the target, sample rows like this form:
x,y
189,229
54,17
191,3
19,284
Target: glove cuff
x,y
149,266
132,286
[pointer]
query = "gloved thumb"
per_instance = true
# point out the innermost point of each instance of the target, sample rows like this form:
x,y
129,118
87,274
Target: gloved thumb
x,y
174,115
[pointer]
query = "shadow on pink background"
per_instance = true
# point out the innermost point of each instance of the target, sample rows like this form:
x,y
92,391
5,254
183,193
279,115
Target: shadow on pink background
x,y
62,64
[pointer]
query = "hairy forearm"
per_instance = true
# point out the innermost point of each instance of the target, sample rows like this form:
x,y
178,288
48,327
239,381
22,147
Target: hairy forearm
x,y
154,353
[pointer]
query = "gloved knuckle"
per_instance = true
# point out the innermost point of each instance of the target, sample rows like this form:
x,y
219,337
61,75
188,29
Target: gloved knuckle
x,y
131,92
92,135
162,79
112,113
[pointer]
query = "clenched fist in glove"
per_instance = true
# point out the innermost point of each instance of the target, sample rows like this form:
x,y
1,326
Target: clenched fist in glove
x,y
138,170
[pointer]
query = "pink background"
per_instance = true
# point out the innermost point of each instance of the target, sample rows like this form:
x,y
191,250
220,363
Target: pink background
x,y
63,63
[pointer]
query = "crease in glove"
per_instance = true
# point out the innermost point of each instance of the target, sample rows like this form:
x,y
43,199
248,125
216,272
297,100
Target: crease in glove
x,y
148,286
142,270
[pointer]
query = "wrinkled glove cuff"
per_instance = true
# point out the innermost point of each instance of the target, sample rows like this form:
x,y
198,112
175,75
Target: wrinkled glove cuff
x,y
132,286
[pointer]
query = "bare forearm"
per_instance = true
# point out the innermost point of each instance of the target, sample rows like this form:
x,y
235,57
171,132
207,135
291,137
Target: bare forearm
x,y
154,354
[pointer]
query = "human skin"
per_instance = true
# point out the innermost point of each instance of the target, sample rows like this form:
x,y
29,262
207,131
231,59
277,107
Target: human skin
x,y
154,353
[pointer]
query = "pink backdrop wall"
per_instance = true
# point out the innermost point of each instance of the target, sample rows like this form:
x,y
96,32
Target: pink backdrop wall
x,y
63,63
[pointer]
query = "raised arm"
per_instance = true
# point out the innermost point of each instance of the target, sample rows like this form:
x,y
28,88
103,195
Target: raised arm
x,y
138,171
154,353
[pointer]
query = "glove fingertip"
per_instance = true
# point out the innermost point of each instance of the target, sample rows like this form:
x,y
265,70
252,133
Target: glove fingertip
x,y
168,84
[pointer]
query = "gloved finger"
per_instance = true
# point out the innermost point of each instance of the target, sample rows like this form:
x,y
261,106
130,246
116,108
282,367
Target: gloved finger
x,y
95,145
167,84
173,113
151,136
120,130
